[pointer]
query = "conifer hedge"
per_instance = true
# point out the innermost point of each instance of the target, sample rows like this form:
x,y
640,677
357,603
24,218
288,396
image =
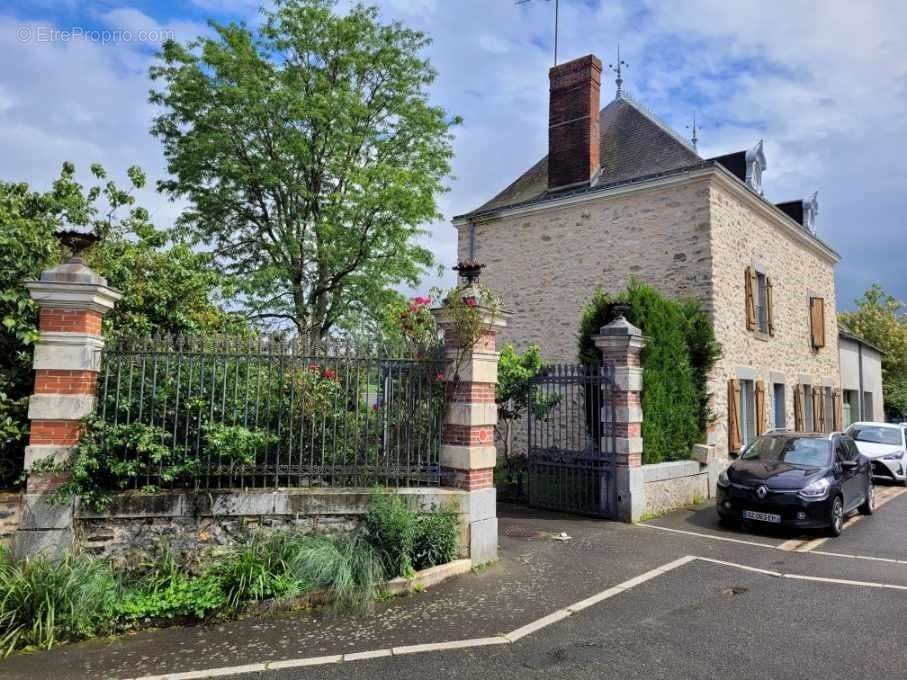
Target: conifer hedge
x,y
681,349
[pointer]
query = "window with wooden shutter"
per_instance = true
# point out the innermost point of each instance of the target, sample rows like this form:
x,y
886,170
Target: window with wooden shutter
x,y
761,422
734,436
769,304
817,321
818,423
838,410
750,290
798,408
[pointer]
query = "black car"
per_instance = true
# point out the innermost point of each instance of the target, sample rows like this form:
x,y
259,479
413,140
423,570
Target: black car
x,y
806,481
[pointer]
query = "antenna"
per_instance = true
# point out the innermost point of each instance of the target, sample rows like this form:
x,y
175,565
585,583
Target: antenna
x,y
617,68
695,130
557,11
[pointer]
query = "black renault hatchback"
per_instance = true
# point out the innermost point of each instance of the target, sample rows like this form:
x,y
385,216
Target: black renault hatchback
x,y
805,481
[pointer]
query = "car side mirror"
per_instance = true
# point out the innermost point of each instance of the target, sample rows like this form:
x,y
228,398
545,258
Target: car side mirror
x,y
733,455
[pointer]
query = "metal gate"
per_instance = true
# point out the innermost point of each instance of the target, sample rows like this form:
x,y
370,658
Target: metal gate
x,y
571,441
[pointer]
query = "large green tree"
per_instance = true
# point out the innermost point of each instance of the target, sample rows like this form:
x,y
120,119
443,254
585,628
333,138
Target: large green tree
x,y
309,153
881,320
167,287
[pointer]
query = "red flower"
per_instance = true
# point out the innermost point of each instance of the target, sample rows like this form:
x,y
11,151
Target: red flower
x,y
470,302
329,374
314,368
376,407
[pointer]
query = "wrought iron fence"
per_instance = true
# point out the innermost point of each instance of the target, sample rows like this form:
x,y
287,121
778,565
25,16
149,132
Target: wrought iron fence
x,y
570,458
265,412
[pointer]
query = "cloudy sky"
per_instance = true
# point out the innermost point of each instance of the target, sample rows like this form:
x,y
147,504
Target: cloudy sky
x,y
823,82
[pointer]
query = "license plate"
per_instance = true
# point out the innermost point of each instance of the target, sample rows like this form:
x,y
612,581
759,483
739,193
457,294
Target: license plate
x,y
762,516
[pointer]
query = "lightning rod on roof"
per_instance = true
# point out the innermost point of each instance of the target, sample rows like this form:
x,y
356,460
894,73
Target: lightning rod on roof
x,y
695,130
557,11
617,68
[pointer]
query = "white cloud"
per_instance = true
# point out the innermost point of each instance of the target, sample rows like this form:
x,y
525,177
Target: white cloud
x,y
825,86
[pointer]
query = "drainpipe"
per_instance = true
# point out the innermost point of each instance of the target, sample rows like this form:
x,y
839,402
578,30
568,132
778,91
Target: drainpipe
x,y
860,371
472,241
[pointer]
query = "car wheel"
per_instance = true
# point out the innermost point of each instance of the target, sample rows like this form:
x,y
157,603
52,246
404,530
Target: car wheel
x,y
869,505
836,521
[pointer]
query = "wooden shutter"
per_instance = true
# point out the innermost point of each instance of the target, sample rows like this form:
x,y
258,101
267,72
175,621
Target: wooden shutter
x,y
817,321
760,407
818,423
770,307
750,288
798,408
839,410
734,437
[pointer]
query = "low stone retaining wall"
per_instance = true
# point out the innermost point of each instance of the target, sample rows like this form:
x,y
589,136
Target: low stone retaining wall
x,y
673,485
10,515
137,524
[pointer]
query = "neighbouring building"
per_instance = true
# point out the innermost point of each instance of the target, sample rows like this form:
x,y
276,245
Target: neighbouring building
x,y
621,195
861,378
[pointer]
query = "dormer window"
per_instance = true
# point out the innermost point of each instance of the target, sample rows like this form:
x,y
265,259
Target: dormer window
x,y
810,210
755,165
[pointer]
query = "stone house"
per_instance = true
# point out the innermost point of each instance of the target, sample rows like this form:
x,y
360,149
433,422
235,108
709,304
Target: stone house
x,y
621,195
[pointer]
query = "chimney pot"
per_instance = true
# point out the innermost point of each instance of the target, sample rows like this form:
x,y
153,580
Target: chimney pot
x,y
573,123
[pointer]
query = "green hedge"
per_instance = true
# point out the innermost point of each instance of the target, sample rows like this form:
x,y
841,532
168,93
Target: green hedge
x,y
681,349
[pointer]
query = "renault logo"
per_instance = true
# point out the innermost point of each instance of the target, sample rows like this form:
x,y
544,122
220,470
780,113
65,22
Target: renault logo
x,y
762,492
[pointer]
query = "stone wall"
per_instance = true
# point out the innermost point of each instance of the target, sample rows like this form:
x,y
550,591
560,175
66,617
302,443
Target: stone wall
x,y
10,515
669,486
137,525
547,264
743,234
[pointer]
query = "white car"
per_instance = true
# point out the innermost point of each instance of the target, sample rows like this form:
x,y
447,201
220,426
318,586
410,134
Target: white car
x,y
885,445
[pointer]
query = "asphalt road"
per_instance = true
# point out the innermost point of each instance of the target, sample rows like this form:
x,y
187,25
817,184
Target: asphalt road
x,y
700,620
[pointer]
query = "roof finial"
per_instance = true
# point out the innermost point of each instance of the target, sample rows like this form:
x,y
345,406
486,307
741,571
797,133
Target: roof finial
x,y
695,130
617,69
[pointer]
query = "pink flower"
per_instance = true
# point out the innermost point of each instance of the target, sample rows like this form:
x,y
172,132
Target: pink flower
x,y
439,376
329,374
470,302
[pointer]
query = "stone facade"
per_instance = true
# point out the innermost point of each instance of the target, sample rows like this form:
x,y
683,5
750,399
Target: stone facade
x,y
547,263
747,232
692,234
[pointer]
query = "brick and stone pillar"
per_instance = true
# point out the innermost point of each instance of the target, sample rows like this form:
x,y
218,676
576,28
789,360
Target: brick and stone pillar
x,y
621,344
468,453
72,301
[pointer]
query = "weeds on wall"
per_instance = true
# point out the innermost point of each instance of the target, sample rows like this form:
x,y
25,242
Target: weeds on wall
x,y
679,352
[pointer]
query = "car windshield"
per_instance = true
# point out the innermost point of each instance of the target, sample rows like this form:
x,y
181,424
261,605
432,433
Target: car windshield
x,y
806,452
876,434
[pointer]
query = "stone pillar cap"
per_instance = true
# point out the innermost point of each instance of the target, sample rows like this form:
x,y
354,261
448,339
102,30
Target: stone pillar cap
x,y
73,285
620,327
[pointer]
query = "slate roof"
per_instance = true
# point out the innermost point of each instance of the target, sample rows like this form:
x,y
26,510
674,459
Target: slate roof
x,y
634,144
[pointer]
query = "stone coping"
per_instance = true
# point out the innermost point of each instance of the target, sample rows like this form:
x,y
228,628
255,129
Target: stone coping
x,y
238,502
657,472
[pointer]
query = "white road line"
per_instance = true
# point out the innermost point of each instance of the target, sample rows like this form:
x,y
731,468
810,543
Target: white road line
x,y
714,537
506,638
513,636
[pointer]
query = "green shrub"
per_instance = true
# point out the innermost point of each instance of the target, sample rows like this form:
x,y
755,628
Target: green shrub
x,y
350,567
43,602
261,568
392,528
183,597
436,540
409,540
680,351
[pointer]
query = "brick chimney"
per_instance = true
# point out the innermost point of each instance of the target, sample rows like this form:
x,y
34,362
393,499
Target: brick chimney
x,y
573,127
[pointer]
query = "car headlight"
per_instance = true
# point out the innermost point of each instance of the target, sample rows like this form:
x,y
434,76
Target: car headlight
x,y
723,479
894,456
818,489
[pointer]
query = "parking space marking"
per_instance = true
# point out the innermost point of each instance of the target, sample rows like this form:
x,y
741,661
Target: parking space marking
x,y
714,537
512,636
